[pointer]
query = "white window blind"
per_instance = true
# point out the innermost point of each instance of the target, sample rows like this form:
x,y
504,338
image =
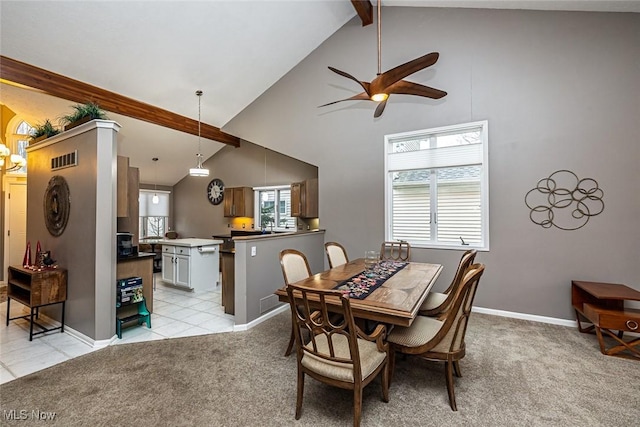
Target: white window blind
x,y
148,208
437,187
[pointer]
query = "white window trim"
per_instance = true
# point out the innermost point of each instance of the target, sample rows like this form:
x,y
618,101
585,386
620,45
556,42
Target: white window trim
x,y
256,203
388,193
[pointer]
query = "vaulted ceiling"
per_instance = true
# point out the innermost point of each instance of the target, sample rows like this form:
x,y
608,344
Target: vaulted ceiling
x,y
160,53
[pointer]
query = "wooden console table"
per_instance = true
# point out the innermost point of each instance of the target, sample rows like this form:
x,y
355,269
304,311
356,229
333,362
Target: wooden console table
x,y
36,289
602,305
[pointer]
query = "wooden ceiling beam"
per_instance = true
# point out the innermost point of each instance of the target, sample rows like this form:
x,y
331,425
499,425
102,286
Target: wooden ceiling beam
x,y
77,91
364,10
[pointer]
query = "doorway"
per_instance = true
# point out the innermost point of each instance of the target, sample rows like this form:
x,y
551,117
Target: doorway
x,y
15,234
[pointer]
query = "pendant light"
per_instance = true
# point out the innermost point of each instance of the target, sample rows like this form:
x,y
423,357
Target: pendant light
x,y
155,199
199,170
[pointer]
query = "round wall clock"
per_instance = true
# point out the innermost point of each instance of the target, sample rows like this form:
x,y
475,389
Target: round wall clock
x,y
57,204
215,191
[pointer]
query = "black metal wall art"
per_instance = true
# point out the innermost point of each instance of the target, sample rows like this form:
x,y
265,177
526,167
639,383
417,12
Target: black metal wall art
x,y
57,204
564,201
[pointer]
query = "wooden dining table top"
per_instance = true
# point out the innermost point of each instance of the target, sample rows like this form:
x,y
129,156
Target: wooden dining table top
x,y
396,302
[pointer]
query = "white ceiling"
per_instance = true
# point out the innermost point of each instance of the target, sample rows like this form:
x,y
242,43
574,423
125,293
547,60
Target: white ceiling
x,y
162,52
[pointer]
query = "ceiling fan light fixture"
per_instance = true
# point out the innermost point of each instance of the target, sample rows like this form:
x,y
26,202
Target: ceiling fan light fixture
x,y
199,170
378,97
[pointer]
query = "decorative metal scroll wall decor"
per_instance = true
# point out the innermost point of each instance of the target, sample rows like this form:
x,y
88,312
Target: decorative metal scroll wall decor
x,y
564,201
57,204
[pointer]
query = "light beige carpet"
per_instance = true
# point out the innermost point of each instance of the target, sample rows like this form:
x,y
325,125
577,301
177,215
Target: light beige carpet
x,y
516,373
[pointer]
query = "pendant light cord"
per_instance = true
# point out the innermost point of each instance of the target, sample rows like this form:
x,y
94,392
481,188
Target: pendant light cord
x,y
379,39
199,93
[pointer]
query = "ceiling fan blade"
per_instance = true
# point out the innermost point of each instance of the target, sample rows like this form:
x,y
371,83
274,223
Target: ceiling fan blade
x,y
365,85
404,87
380,108
359,97
386,79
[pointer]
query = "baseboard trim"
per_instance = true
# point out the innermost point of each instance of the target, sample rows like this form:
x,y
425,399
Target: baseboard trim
x,y
88,340
266,316
524,316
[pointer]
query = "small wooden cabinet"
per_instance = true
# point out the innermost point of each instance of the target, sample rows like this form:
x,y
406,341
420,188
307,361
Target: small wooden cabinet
x,y
304,199
238,201
36,289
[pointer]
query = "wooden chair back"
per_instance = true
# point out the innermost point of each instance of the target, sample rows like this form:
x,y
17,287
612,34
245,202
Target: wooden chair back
x,y
466,260
332,354
336,254
456,317
395,251
295,266
310,313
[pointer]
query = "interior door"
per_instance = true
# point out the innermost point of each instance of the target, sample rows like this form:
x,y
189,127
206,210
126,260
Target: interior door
x,y
16,223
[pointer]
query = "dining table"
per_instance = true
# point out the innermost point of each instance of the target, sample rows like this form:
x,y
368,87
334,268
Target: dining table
x,y
396,301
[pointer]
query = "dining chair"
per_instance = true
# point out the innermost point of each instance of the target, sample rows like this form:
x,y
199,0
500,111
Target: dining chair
x,y
440,338
395,251
437,302
295,267
336,254
338,353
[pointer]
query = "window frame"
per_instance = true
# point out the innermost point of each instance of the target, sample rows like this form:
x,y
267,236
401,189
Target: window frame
x,y
257,210
13,139
143,219
484,184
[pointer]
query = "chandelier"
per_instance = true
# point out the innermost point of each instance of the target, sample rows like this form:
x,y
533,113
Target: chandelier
x,y
199,170
14,161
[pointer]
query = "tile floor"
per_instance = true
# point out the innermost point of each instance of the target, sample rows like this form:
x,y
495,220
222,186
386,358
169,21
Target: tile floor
x,y
176,313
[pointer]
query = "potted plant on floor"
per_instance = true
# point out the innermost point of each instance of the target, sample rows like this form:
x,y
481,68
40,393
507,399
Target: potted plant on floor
x,y
43,131
83,113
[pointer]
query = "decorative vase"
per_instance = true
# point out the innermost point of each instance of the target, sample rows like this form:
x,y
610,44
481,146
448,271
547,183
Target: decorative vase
x,y
26,261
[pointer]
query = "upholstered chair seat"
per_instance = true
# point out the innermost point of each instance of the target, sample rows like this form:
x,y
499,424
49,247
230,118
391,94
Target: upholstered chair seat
x,y
370,358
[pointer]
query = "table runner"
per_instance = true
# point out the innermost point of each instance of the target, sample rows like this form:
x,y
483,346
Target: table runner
x,y
362,284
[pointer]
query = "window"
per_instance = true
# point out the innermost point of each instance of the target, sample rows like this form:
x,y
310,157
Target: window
x,y
437,187
274,208
18,141
154,217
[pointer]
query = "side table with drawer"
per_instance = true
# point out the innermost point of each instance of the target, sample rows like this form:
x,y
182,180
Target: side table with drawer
x,y
602,305
36,289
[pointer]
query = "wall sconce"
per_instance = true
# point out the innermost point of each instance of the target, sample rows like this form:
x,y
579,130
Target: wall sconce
x,y
15,161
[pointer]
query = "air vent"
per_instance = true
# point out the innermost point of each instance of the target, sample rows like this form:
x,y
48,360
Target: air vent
x,y
65,161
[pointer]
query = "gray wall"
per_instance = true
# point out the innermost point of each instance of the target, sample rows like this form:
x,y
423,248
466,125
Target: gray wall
x,y
246,166
560,91
86,248
258,277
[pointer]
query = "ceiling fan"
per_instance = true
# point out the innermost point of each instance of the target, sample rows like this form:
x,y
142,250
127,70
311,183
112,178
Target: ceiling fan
x,y
390,82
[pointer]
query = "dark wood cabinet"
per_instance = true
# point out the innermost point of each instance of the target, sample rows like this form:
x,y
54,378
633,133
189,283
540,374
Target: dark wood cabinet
x,y
238,201
228,282
304,199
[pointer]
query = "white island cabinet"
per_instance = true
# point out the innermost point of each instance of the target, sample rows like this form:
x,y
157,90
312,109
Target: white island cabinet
x,y
191,263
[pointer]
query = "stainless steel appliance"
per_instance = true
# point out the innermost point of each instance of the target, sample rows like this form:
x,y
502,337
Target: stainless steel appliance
x,y
124,245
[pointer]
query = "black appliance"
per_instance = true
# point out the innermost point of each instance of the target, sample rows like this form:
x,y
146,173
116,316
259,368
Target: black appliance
x,y
124,245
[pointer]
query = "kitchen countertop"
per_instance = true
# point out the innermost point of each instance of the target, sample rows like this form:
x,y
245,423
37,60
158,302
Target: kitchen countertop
x,y
191,243
276,234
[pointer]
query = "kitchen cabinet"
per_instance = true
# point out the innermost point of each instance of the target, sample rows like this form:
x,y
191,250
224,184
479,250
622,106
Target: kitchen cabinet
x,y
123,187
238,201
304,199
191,263
228,281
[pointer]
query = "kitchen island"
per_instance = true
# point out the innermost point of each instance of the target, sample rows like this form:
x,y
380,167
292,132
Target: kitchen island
x,y
191,263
